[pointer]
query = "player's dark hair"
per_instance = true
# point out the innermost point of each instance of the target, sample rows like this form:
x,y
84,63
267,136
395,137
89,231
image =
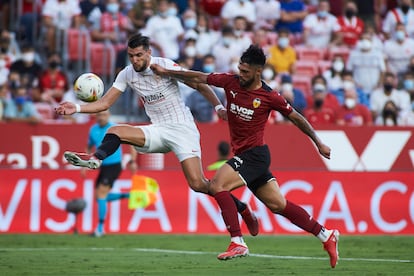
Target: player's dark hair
x,y
138,40
254,55
223,148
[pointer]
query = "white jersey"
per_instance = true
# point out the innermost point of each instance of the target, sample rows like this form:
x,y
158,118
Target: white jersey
x,y
161,95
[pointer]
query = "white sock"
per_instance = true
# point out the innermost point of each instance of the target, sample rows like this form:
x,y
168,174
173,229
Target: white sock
x,y
238,240
324,234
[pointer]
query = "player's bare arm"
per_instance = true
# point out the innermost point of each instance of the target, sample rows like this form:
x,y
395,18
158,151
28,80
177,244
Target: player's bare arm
x,y
307,128
68,108
186,76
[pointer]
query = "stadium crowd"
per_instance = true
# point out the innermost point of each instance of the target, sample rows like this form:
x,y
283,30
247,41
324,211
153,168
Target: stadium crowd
x,y
337,62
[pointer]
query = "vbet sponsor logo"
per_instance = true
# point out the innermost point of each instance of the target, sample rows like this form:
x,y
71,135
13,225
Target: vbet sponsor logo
x,y
380,153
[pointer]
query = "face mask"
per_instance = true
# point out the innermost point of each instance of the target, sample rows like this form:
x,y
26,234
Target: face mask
x,y
28,57
20,100
54,64
267,74
190,23
338,66
112,8
318,103
209,68
349,13
322,14
172,11
2,63
238,32
400,35
287,87
283,42
319,87
201,29
388,87
190,51
409,85
350,103
227,41
405,8
365,44
348,85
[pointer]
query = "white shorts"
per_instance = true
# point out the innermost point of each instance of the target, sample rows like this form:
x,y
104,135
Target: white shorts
x,y
182,139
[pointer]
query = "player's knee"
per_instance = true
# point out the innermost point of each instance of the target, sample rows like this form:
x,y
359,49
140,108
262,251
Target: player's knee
x,y
198,185
276,207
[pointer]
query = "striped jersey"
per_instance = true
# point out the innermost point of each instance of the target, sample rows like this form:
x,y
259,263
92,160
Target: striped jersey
x,y
161,96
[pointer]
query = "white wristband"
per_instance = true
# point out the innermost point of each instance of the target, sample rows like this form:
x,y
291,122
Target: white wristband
x,y
218,107
78,108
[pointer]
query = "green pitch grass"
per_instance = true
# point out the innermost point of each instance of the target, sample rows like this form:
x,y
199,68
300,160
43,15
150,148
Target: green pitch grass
x,y
196,255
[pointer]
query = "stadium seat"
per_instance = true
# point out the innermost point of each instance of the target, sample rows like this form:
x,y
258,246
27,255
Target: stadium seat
x,y
306,68
272,38
342,51
102,59
302,83
311,54
78,43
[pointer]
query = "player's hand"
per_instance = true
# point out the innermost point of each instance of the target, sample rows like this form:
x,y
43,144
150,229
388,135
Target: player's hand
x,y
65,108
158,69
325,151
132,166
222,114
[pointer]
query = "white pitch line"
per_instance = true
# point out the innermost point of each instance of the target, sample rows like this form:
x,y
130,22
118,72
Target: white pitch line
x,y
157,250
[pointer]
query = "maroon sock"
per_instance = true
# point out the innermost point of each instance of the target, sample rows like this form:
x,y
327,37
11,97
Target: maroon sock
x,y
229,212
298,216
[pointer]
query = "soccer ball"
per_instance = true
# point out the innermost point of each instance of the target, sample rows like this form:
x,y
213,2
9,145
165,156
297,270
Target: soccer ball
x,y
88,87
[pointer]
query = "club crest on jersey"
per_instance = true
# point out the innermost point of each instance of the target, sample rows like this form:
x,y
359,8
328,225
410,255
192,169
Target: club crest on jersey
x,y
256,103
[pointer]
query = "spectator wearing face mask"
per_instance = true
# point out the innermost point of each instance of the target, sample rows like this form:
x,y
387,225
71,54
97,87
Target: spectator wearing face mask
x,y
408,85
113,26
189,53
293,95
269,76
319,85
226,51
282,56
396,50
20,109
27,68
351,112
201,108
404,14
333,75
367,64
207,37
348,83
53,82
321,29
351,26
389,92
318,113
165,29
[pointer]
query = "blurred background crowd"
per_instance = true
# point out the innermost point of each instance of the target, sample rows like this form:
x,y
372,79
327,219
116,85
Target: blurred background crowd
x,y
337,62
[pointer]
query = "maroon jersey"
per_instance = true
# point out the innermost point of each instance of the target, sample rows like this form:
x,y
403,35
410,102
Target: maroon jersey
x,y
248,111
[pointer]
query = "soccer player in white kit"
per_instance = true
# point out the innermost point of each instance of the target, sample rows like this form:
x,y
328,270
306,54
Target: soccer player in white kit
x,y
172,128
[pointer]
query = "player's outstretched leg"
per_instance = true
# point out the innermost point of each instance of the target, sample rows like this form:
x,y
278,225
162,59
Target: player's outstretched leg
x,y
82,160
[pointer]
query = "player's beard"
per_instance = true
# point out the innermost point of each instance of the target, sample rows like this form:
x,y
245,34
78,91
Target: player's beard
x,y
141,68
246,83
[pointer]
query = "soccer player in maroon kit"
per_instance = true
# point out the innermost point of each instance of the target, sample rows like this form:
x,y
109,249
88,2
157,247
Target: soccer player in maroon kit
x,y
249,102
